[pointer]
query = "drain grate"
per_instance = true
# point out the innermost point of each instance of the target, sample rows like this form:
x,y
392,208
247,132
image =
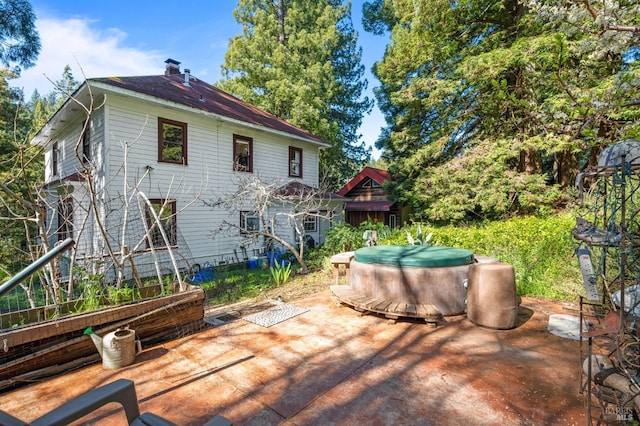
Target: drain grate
x,y
220,319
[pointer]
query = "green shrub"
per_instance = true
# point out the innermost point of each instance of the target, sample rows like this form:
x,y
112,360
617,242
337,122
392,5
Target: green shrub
x,y
340,238
91,287
541,249
124,294
280,272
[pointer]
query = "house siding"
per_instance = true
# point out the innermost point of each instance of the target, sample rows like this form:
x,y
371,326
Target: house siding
x,y
129,119
208,175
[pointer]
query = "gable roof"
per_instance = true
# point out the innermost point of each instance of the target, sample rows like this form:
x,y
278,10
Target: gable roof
x,y
377,175
196,95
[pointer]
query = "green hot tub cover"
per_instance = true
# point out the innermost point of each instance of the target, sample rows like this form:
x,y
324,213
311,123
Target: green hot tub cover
x,y
415,256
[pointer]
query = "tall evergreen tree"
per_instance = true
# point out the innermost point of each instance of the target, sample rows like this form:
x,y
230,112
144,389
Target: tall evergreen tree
x,y
19,39
299,60
18,173
22,166
488,105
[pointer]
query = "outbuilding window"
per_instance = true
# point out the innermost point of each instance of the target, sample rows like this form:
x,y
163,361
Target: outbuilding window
x,y
310,223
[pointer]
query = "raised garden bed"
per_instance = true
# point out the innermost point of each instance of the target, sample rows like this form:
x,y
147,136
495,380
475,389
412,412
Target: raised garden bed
x,y
44,348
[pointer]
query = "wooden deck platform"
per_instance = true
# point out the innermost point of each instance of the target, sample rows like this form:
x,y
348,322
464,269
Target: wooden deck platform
x,y
344,294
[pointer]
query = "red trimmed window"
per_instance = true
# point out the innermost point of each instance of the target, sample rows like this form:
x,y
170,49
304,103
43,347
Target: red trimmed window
x,y
295,162
172,141
242,153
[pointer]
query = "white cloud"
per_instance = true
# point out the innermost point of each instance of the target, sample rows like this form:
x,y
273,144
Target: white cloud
x,y
90,52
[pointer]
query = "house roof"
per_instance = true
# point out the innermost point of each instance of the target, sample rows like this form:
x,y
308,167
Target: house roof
x,y
297,189
196,95
378,175
369,206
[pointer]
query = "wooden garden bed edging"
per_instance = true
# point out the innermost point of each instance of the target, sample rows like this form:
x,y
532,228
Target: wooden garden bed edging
x,y
48,345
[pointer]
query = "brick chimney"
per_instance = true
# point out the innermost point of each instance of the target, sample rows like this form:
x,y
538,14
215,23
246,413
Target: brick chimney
x,y
173,67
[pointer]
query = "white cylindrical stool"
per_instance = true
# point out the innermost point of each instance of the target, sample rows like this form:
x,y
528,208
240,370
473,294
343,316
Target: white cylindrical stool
x,y
492,300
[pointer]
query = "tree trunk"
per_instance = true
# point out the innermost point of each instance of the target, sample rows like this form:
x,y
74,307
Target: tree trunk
x,y
530,161
281,35
566,168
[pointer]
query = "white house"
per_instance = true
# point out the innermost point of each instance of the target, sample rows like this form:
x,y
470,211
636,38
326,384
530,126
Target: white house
x,y
170,141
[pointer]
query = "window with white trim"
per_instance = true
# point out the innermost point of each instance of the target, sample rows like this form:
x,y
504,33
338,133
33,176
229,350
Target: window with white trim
x,y
370,183
393,221
249,222
65,218
310,223
165,210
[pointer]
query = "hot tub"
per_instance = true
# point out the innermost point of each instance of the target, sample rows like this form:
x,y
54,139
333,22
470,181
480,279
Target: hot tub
x,y
413,275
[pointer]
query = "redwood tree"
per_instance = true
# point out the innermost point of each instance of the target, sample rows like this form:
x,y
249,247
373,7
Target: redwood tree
x,y
493,107
299,60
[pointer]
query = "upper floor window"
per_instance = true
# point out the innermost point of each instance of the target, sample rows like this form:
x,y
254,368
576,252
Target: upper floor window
x,y
172,141
242,153
165,210
249,222
86,142
295,162
65,218
54,159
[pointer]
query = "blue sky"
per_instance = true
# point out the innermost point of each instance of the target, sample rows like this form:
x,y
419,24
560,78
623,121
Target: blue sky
x,y
123,38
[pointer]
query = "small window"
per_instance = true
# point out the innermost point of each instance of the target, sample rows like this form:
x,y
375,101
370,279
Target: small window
x,y
172,141
242,153
310,223
86,142
54,159
166,213
370,183
393,221
295,162
65,219
249,222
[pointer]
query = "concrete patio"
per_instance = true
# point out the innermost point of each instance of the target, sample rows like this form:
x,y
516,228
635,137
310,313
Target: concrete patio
x,y
331,365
